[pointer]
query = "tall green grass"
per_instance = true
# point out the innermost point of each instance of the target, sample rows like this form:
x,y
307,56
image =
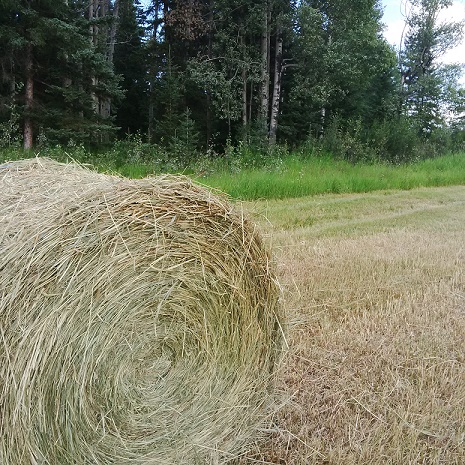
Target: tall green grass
x,y
297,177
275,176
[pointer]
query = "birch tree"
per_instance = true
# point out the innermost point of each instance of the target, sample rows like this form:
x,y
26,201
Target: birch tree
x,y
278,70
343,65
423,78
265,61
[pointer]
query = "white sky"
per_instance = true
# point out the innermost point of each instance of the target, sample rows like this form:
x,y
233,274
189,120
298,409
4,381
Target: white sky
x,y
394,13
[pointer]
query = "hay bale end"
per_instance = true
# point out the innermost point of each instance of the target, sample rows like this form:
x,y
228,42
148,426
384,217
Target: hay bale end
x,y
140,320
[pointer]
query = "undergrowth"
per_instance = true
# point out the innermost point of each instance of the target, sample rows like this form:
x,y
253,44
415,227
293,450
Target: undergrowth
x,y
276,174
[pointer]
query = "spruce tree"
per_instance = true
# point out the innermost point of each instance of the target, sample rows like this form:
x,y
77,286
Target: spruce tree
x,y
131,64
56,70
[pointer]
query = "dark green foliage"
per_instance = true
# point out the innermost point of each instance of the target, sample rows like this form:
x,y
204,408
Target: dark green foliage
x,y
131,64
187,77
427,86
185,140
67,71
343,66
168,91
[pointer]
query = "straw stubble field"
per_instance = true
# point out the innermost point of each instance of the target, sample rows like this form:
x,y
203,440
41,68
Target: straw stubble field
x,y
375,291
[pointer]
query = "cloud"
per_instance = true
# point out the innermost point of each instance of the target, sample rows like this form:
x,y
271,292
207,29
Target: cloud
x,y
393,32
395,24
456,12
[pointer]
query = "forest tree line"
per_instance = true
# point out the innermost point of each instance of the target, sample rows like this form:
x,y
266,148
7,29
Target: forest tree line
x,y
201,75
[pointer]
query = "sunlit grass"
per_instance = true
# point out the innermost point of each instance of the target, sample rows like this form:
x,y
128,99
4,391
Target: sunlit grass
x,y
298,178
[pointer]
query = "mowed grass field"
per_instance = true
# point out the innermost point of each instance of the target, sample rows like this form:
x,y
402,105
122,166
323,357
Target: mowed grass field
x,y
374,287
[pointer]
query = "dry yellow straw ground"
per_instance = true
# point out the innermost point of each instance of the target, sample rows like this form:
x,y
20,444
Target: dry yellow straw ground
x,y
375,286
139,320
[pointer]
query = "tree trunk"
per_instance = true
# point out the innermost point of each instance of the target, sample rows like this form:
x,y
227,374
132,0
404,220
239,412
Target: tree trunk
x,y
265,75
29,99
167,28
151,128
93,29
251,94
105,107
326,95
209,115
278,69
93,14
244,97
113,31
11,79
244,81
321,131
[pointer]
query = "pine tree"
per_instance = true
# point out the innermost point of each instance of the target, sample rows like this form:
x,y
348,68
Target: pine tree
x,y
130,63
54,67
179,32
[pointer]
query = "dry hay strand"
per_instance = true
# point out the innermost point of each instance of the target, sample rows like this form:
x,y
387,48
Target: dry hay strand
x,y
140,320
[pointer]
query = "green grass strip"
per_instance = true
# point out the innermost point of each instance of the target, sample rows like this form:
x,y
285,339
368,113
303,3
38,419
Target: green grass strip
x,y
299,178
289,176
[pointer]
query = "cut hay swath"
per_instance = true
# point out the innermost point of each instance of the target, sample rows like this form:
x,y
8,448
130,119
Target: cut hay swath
x,y
139,320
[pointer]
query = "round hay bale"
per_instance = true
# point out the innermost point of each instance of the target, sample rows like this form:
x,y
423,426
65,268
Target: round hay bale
x,y
139,320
